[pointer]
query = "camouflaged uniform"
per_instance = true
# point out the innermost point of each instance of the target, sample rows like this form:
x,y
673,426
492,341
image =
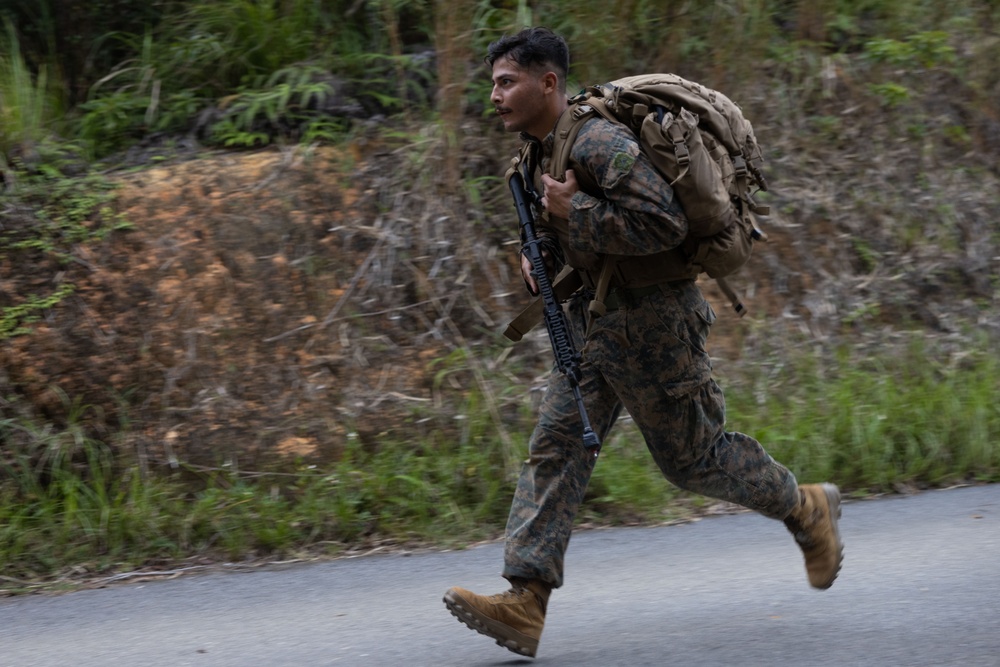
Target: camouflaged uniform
x,y
647,354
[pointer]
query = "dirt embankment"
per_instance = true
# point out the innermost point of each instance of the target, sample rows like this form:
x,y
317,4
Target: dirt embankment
x,y
187,316
264,306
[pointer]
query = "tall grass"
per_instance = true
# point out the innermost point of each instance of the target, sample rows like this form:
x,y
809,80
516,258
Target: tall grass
x,y
909,419
29,103
67,504
879,423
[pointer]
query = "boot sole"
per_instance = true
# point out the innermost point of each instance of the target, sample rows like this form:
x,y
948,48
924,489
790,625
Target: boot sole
x,y
505,636
832,494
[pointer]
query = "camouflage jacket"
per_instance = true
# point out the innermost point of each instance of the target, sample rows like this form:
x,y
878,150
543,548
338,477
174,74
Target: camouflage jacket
x,y
624,209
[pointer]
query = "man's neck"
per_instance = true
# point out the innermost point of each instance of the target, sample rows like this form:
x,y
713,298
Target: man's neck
x,y
548,122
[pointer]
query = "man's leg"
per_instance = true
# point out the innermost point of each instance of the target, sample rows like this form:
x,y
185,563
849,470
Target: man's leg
x,y
554,480
689,444
549,491
657,363
695,453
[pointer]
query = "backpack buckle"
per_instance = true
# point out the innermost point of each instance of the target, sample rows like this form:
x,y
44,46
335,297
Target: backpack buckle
x,y
682,152
740,165
681,149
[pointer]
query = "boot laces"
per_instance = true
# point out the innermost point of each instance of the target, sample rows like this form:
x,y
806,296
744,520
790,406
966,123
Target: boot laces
x,y
514,594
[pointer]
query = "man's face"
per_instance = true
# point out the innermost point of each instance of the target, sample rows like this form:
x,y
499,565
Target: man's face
x,y
518,96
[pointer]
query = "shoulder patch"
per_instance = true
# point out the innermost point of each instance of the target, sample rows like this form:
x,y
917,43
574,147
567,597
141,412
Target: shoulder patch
x,y
624,152
623,162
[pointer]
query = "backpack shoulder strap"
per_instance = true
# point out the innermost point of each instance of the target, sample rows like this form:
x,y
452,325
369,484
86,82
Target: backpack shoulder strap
x,y
523,157
581,109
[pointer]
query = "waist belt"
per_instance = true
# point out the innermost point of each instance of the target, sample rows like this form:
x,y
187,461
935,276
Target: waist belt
x,y
567,282
624,297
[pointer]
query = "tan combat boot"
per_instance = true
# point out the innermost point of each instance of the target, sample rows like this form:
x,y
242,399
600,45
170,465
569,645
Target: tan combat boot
x,y
814,524
514,618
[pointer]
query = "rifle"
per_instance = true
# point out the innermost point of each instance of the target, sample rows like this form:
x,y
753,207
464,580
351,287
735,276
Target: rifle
x,y
567,358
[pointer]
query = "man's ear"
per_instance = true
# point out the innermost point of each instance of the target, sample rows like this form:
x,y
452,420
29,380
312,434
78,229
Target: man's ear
x,y
550,82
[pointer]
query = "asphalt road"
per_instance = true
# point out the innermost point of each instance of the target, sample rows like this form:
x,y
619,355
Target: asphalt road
x,y
920,586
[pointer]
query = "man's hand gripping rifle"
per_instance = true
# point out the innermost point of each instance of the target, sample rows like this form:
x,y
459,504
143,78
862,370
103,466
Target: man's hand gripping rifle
x,y
567,358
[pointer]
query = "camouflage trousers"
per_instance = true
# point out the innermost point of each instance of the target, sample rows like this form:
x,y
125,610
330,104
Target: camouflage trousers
x,y
650,359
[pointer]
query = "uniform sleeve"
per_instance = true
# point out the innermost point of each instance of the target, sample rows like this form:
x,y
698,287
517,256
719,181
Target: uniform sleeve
x,y
635,212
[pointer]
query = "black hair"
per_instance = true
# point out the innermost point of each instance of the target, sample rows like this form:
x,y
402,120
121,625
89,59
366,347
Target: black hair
x,y
533,48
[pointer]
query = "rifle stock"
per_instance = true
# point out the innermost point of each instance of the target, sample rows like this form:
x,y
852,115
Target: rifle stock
x,y
566,357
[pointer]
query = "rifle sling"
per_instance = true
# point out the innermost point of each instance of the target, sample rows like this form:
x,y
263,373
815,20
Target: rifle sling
x,y
567,282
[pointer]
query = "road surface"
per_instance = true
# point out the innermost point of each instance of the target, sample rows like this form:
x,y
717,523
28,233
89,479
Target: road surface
x,y
920,586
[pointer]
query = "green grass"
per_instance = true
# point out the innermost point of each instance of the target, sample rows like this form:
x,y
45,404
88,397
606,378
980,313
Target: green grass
x,y
69,506
883,423
909,420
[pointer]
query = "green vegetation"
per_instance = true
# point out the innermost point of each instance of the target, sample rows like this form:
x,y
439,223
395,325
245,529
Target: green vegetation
x,y
130,70
881,423
888,105
29,101
69,507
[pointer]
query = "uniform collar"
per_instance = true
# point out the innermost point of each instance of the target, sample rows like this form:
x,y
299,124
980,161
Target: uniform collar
x,y
540,151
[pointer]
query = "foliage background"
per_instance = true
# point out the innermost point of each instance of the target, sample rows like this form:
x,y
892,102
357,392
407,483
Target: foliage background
x,y
255,257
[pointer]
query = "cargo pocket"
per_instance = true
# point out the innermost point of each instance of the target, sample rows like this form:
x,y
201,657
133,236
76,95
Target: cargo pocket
x,y
700,324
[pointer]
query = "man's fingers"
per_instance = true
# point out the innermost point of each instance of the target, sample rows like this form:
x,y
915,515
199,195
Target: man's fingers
x,y
527,273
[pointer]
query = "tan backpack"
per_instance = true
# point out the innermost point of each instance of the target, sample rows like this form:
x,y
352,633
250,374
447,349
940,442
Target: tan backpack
x,y
700,142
